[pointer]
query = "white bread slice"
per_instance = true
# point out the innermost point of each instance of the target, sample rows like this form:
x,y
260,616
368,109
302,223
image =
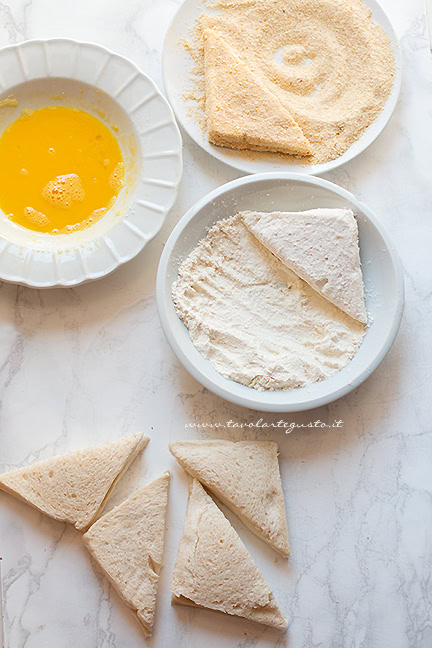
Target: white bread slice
x,y
127,543
240,112
75,486
321,247
245,476
214,569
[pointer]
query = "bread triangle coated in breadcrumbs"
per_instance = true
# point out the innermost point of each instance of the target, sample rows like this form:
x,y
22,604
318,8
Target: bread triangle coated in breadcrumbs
x,y
245,476
241,113
74,487
127,543
214,569
321,247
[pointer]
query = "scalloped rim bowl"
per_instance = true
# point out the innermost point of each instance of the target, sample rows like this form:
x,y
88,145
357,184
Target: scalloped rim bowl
x,y
382,274
61,71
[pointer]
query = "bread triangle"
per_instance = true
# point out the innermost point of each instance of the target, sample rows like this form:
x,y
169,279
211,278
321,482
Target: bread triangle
x,y
214,569
244,475
74,487
241,113
127,543
321,247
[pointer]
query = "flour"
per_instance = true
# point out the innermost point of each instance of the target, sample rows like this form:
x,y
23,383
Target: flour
x,y
256,321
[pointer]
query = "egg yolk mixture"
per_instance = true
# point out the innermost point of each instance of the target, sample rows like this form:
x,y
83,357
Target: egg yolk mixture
x,y
61,169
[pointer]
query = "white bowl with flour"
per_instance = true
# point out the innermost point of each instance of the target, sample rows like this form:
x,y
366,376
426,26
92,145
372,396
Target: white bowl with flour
x,y
382,273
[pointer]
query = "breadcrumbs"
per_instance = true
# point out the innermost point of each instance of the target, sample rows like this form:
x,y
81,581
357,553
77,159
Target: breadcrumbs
x,y
327,61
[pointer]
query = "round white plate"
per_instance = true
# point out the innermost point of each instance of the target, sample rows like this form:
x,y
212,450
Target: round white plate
x,y
382,274
177,67
68,73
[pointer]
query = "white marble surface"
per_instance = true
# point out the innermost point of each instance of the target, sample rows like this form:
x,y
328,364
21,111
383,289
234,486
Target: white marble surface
x,y
80,366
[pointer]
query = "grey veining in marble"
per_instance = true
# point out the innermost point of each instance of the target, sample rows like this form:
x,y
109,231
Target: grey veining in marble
x,y
84,365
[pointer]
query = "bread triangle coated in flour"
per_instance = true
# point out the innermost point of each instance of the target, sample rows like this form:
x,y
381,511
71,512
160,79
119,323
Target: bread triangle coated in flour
x,y
127,543
74,487
214,569
245,476
321,247
241,113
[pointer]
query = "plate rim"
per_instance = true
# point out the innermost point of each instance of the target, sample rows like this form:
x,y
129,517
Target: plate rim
x,y
308,170
247,401
83,276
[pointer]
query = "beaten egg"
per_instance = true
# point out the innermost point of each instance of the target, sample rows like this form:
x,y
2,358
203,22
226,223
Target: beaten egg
x,y
61,169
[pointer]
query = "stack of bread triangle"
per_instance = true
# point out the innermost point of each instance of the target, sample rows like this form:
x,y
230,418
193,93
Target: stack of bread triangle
x,y
74,487
213,567
241,113
127,542
321,247
225,469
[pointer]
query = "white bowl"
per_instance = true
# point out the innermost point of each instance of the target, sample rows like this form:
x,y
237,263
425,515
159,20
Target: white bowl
x,y
68,73
177,67
383,278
